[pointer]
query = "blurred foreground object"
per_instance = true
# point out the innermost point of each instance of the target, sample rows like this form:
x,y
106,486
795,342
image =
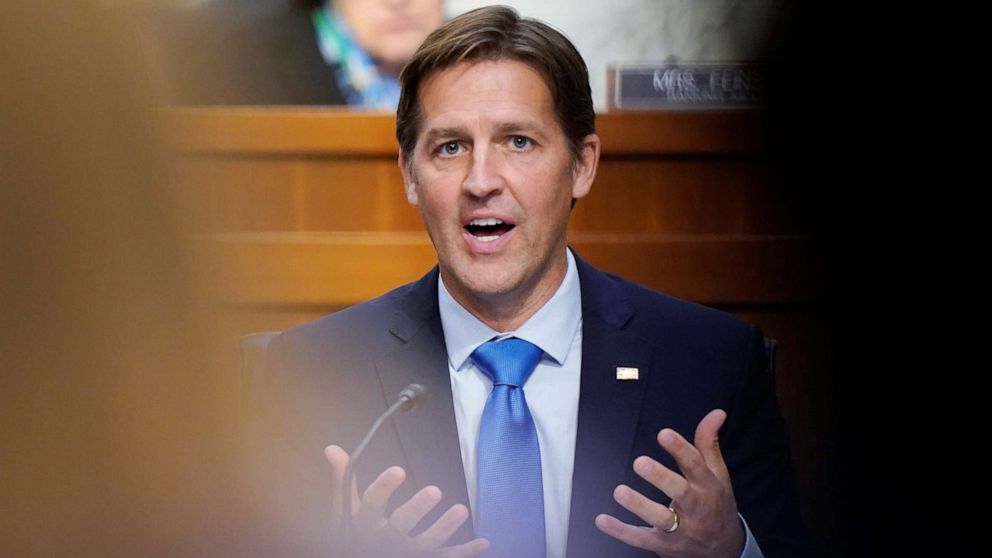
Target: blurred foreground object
x,y
115,430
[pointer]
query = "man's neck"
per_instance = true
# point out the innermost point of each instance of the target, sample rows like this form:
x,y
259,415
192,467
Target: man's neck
x,y
508,311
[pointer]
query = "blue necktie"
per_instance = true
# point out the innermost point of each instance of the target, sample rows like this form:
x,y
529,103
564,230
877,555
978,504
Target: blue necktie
x,y
510,494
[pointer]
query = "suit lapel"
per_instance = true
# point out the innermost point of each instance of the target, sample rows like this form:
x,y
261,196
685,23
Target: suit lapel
x,y
608,408
428,434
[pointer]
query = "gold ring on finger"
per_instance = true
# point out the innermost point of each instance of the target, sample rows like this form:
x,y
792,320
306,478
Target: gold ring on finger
x,y
675,525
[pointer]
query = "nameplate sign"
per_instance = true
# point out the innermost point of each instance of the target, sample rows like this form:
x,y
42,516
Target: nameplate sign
x,y
686,86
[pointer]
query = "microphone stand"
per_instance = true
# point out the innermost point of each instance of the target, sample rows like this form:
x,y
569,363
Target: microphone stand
x,y
407,400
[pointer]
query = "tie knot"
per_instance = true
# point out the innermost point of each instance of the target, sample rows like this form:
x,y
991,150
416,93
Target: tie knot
x,y
507,362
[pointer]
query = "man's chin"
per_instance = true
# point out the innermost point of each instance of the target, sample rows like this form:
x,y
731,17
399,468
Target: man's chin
x,y
481,281
487,287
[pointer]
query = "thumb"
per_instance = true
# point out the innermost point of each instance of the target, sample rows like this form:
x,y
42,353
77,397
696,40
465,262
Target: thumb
x,y
708,442
338,458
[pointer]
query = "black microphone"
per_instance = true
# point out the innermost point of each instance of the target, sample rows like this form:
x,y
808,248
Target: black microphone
x,y
409,398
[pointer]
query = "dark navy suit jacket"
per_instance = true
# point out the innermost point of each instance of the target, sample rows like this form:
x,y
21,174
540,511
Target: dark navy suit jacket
x,y
333,376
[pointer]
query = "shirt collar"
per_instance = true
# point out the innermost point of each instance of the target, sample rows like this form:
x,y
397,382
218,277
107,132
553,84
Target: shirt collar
x,y
552,327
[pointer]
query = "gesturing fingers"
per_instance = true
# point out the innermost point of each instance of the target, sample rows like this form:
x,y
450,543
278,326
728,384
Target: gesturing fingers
x,y
689,459
442,529
407,516
703,499
650,511
374,535
372,509
661,477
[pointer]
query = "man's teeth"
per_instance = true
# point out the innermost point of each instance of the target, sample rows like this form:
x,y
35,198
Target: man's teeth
x,y
487,222
487,229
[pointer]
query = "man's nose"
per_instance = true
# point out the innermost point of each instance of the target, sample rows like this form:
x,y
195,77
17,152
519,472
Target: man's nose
x,y
483,178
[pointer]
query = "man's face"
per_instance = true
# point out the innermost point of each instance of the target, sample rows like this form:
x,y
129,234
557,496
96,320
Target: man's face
x,y
492,176
389,30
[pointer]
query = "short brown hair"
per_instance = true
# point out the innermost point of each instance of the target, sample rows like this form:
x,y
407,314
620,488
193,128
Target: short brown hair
x,y
498,33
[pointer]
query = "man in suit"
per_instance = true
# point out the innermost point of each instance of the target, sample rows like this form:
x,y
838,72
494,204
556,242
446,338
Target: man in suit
x,y
630,386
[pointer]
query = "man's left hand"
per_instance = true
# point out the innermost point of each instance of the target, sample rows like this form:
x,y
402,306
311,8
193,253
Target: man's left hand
x,y
703,500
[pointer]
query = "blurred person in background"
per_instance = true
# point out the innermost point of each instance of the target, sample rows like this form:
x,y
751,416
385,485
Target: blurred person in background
x,y
288,52
116,436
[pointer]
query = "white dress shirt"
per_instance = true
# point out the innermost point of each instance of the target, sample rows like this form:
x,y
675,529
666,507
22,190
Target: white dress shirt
x,y
552,393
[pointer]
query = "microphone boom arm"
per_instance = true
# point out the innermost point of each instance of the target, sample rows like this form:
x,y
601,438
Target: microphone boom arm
x,y
408,399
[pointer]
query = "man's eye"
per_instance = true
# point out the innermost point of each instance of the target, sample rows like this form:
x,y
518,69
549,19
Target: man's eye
x,y
450,148
520,142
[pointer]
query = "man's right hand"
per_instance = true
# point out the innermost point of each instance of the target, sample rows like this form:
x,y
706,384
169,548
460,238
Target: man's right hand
x,y
375,536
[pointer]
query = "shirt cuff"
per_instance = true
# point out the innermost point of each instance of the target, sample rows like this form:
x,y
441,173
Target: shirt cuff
x,y
751,549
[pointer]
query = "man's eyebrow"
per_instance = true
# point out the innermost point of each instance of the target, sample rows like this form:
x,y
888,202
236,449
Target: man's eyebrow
x,y
436,133
522,126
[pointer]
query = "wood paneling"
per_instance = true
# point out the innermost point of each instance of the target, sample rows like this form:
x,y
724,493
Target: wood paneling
x,y
264,194
279,130
339,269
631,195
675,194
684,201
295,131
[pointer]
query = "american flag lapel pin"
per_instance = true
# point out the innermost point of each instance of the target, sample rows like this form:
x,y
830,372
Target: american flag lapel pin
x,y
627,373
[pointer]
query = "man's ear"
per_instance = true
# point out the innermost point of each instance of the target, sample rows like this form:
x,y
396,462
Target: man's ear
x,y
586,164
409,179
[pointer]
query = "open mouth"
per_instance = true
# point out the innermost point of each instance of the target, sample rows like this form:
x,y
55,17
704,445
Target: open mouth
x,y
488,229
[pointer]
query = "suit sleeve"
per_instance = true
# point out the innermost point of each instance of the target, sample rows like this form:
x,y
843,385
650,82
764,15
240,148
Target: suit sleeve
x,y
755,442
